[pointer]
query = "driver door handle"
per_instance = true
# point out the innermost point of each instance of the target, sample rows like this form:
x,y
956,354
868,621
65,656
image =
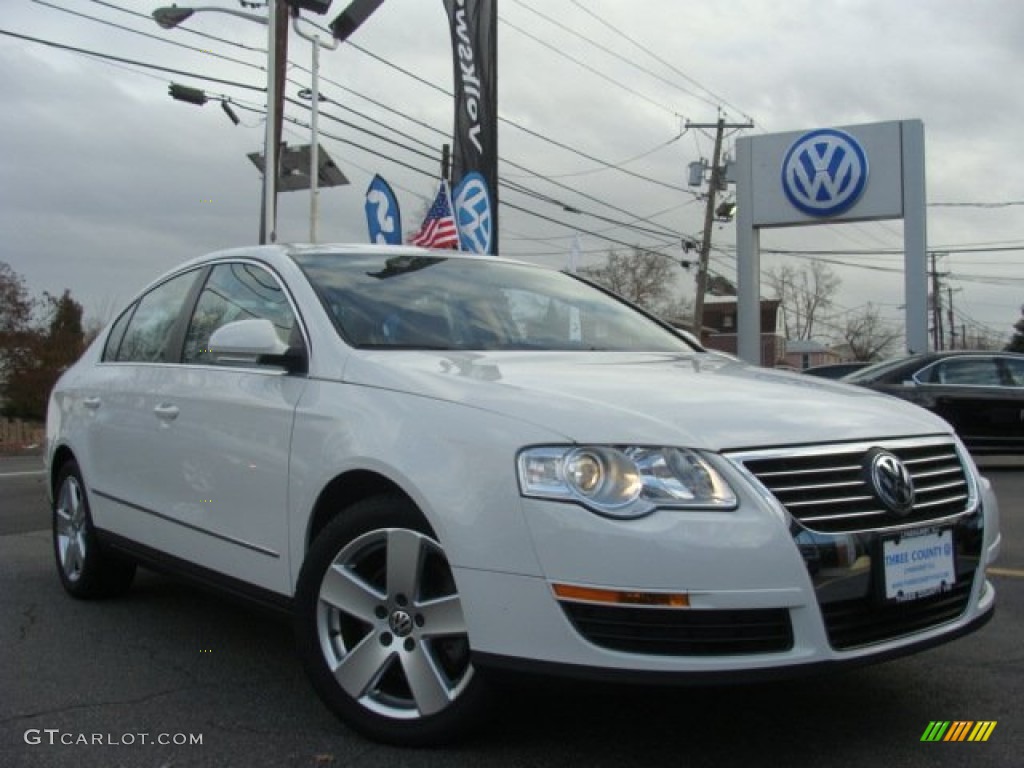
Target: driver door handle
x,y
166,412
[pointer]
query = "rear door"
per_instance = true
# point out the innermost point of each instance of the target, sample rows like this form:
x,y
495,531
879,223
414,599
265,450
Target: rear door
x,y
120,405
969,393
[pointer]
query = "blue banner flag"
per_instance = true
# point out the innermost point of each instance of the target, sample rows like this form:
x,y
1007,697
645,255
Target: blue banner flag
x,y
474,214
382,215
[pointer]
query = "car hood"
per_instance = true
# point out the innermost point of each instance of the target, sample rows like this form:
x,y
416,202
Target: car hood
x,y
698,400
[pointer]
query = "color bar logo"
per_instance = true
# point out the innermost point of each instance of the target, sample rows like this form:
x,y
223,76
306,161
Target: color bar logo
x,y
958,730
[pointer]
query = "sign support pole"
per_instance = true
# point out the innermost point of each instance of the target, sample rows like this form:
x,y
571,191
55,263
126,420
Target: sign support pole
x,y
915,237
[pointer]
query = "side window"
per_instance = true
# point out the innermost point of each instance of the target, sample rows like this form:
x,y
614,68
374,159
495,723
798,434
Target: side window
x,y
966,372
237,292
117,334
148,336
1015,371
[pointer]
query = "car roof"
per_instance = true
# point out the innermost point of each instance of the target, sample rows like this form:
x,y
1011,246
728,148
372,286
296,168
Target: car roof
x,y
277,253
913,363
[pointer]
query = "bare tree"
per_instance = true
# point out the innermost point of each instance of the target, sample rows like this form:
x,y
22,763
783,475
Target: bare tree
x,y
1017,342
868,336
805,296
982,339
643,277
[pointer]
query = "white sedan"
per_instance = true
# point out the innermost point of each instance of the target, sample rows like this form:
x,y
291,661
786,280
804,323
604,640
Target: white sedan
x,y
444,466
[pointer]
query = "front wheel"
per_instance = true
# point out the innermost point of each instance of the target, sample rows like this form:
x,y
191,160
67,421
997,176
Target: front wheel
x,y
380,628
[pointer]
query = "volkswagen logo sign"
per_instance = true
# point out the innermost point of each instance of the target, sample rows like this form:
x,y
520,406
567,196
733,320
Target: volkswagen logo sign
x,y
824,172
472,204
891,481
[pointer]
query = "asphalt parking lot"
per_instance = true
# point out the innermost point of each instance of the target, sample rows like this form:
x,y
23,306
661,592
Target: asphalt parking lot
x,y
170,663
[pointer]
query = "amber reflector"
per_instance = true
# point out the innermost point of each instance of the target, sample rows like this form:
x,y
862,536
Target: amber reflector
x,y
593,595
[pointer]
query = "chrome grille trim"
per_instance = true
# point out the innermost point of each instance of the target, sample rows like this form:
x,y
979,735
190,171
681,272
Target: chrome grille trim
x,y
825,502
823,486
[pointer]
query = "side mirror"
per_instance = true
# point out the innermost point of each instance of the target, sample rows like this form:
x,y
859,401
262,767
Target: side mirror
x,y
255,342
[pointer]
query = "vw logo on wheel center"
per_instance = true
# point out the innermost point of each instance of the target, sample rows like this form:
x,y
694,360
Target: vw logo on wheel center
x,y
824,172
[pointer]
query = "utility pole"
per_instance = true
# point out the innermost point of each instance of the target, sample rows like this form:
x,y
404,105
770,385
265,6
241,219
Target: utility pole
x,y
279,22
952,320
938,334
709,216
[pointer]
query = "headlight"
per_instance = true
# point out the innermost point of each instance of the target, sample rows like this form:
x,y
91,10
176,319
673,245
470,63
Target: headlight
x,y
629,481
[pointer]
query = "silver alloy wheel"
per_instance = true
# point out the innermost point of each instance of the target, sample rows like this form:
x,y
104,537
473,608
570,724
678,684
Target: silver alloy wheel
x,y
71,528
390,625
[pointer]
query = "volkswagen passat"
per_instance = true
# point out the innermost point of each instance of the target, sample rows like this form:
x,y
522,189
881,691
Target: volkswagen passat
x,y
444,465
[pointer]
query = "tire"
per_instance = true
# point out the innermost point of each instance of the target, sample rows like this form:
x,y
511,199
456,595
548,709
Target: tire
x,y
380,628
86,570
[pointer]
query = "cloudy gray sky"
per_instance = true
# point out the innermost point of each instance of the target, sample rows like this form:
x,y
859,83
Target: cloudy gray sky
x,y
105,181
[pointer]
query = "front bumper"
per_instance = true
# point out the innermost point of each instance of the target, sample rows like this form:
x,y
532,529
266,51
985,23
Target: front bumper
x,y
766,599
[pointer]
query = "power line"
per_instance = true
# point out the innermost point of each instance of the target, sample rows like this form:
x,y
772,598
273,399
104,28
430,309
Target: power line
x,y
890,251
182,27
147,35
590,69
616,55
1003,204
134,62
618,31
616,166
432,175
363,50
519,188
518,126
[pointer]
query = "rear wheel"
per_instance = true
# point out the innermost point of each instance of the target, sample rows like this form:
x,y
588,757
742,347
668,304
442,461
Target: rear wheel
x,y
380,627
86,570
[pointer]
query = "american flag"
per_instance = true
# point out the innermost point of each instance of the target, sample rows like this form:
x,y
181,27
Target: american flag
x,y
438,230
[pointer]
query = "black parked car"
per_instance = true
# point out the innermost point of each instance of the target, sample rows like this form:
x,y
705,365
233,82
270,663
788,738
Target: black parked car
x,y
834,370
980,393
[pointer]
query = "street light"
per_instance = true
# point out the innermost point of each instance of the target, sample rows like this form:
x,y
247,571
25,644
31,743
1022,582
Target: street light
x,y
314,148
168,18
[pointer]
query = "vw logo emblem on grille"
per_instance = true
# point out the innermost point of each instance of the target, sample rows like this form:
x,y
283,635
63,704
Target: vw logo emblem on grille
x,y
472,205
824,172
891,481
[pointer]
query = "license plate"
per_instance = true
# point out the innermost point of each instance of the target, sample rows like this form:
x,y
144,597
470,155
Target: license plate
x,y
917,564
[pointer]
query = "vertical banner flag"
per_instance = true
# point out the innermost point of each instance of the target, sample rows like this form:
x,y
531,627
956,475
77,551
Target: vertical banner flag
x,y
474,31
382,215
438,230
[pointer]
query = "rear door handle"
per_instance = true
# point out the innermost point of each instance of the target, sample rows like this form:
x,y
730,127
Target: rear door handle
x,y
92,403
166,412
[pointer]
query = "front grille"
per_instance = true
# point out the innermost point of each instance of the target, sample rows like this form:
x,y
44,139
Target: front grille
x,y
852,623
682,632
825,487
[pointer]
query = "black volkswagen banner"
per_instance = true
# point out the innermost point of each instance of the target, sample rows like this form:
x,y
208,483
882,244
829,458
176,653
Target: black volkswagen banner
x,y
474,29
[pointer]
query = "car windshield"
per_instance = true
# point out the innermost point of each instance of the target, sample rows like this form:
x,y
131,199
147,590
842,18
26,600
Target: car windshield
x,y
876,371
381,301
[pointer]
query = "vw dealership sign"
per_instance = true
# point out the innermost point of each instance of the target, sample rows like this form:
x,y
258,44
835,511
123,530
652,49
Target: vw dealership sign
x,y
824,172
831,176
827,174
